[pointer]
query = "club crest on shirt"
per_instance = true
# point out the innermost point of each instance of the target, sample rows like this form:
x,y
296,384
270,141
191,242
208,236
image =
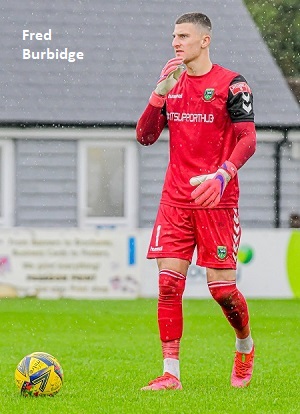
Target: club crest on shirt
x,y
208,94
221,252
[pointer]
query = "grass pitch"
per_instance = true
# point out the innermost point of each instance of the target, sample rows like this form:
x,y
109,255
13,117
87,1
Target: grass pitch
x,y
110,349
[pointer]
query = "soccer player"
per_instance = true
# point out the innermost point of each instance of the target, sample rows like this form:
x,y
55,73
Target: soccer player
x,y
209,113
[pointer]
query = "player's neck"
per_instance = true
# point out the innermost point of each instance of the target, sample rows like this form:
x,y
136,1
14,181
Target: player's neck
x,y
199,67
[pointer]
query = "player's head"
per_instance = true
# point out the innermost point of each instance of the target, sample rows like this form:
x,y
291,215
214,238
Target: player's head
x,y
198,19
191,37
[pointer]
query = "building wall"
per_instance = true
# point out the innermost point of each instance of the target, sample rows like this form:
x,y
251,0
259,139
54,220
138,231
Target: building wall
x,y
290,182
47,192
257,184
46,183
153,161
257,188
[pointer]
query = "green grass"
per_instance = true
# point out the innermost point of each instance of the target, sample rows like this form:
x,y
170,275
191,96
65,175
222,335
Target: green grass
x,y
109,349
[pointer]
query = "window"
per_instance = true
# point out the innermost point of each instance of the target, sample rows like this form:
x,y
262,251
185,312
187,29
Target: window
x,y
6,183
107,183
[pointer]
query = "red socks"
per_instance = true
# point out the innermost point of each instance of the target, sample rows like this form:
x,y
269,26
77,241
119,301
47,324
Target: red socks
x,y
232,302
170,321
170,349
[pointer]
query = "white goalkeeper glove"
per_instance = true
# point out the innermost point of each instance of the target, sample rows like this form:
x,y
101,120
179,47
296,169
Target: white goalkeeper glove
x,y
167,80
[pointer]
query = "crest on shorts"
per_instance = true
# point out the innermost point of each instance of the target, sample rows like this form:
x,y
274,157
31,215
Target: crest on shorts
x,y
221,252
208,94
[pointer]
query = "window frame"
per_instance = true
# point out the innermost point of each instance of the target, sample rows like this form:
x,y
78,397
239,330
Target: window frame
x,y
130,218
7,183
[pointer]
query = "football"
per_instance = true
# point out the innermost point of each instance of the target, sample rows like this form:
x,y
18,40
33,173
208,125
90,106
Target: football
x,y
39,374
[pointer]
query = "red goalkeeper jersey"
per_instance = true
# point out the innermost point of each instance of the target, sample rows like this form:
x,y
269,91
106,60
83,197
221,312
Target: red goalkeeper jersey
x,y
201,112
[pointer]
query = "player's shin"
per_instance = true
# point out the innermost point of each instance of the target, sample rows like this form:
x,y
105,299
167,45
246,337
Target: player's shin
x,y
235,308
170,319
232,302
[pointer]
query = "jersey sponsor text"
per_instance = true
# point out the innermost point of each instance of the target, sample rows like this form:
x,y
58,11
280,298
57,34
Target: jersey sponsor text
x,y
187,117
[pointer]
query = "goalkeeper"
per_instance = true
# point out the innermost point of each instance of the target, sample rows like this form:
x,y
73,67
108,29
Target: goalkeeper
x,y
209,112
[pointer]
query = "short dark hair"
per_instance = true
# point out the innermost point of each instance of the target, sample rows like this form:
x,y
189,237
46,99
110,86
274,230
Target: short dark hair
x,y
195,18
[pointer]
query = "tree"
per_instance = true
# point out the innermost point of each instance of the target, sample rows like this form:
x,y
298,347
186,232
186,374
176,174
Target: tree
x,y
279,24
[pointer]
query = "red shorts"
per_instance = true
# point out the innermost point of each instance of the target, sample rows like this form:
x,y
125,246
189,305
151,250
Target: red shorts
x,y
215,232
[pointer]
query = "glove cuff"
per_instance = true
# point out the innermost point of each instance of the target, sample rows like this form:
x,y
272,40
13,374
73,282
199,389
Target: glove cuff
x,y
230,168
157,100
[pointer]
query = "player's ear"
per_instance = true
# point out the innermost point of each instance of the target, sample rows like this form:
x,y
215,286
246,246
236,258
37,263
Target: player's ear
x,y
205,41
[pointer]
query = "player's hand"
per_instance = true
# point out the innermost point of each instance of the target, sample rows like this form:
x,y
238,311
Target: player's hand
x,y
210,187
167,80
169,76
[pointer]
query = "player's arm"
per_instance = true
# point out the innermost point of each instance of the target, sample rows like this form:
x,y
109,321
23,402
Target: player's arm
x,y
153,119
150,125
210,187
240,108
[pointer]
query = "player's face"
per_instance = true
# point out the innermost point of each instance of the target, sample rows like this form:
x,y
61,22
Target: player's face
x,y
189,41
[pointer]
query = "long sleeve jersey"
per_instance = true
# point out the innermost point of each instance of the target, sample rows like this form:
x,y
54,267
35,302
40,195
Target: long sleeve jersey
x,y
210,120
